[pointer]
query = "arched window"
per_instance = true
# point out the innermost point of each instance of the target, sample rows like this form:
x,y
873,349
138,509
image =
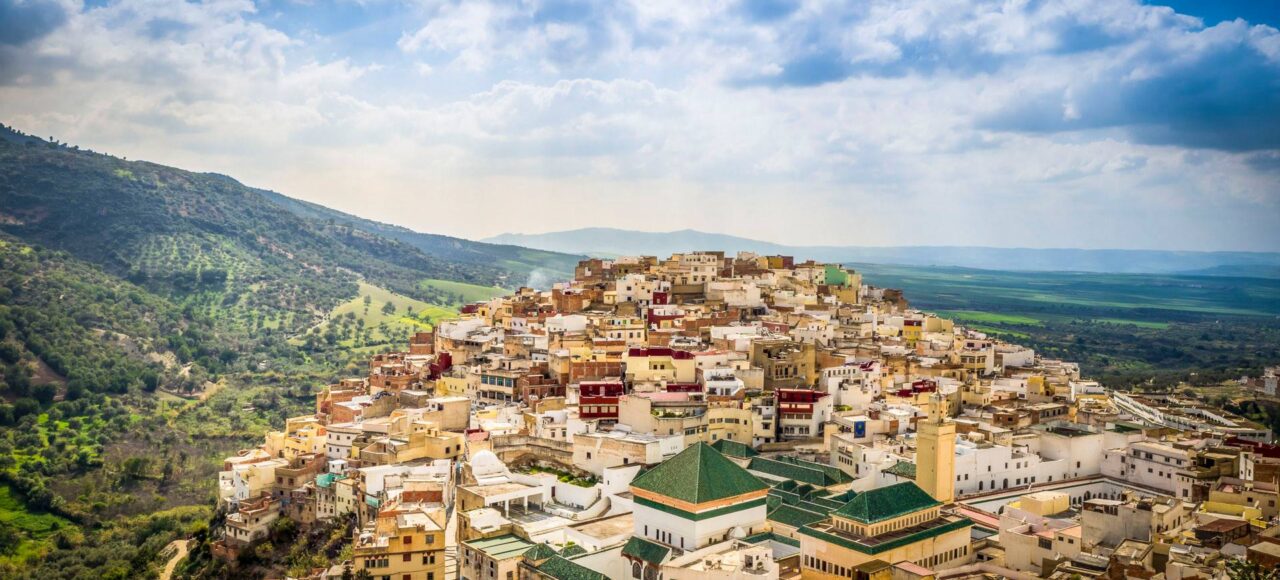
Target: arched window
x,y
636,568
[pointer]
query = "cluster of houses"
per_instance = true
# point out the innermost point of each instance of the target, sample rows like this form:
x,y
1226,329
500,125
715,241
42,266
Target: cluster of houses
x,y
713,416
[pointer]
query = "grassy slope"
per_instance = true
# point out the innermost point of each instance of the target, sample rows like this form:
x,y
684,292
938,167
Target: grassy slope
x,y
35,527
466,292
410,316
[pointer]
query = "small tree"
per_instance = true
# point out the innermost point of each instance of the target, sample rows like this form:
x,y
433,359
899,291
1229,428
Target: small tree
x,y
136,468
1245,570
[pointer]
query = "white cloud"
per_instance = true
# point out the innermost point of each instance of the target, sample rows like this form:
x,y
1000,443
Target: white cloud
x,y
694,111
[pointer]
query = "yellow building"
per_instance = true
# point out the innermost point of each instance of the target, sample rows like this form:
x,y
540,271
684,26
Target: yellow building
x,y
630,329
301,436
652,365
405,542
936,452
425,441
912,330
729,420
893,524
451,386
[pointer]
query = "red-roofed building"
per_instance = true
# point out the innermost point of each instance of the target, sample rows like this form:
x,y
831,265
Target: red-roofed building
x,y
801,413
598,400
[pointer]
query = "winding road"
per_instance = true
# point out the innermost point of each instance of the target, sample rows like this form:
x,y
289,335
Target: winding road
x,y
180,548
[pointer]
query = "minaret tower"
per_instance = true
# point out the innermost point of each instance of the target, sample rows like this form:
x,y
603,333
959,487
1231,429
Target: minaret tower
x,y
936,452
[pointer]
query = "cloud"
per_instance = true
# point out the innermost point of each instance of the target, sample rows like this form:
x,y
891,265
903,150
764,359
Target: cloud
x,y
22,21
1213,88
479,34
811,121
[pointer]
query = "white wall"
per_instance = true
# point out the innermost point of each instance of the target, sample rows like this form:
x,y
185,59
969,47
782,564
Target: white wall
x,y
680,532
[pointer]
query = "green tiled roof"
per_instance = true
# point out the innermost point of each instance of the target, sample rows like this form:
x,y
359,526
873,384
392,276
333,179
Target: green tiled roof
x,y
539,552
770,536
642,549
832,472
887,503
799,470
734,448
563,569
501,547
698,474
827,504
905,469
817,508
573,550
842,497
796,487
840,540
794,516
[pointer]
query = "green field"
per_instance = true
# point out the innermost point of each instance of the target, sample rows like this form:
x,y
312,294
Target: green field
x,y
33,528
459,293
1066,296
1124,329
364,320
986,317
1139,323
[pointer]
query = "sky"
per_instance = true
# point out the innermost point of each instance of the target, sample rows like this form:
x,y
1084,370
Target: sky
x,y
1034,123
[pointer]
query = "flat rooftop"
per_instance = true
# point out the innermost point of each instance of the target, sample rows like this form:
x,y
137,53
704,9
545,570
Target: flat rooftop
x,y
498,489
609,527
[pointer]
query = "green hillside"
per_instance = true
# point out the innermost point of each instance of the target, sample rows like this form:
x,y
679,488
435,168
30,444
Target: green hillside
x,y
251,260
519,262
154,321
458,293
91,462
375,317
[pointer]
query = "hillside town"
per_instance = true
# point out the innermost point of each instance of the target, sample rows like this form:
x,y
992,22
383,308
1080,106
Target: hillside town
x,y
751,417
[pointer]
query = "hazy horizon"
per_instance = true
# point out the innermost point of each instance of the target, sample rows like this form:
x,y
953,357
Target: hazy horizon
x,y
785,243
1074,124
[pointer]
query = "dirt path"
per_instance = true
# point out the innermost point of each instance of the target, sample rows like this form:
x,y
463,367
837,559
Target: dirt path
x,y
180,548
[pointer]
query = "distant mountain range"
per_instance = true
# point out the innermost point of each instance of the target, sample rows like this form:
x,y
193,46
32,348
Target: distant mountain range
x,y
610,241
